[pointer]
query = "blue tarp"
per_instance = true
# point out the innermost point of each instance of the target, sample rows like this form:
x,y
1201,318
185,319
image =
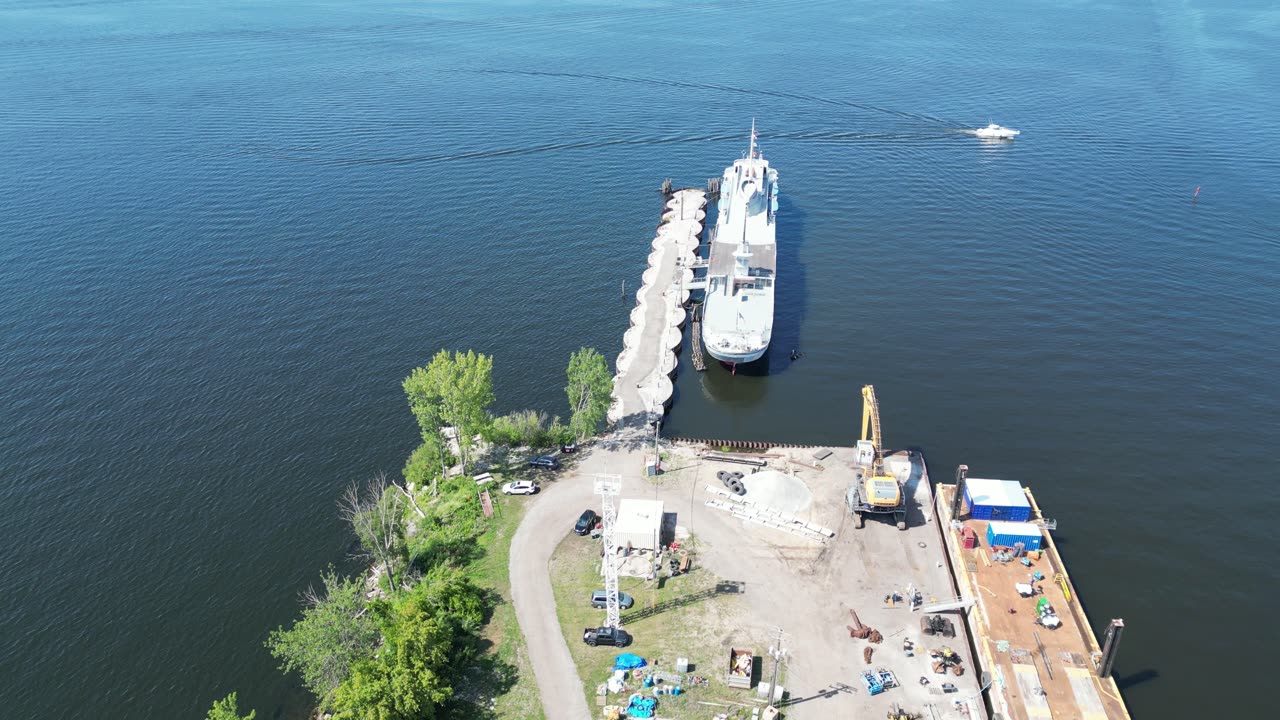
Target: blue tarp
x,y
627,661
641,707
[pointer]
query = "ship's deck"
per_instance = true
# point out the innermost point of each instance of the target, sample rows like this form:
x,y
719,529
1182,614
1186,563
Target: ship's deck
x,y
1037,673
733,309
764,257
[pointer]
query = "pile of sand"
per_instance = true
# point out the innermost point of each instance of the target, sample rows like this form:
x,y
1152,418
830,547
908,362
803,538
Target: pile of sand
x,y
777,490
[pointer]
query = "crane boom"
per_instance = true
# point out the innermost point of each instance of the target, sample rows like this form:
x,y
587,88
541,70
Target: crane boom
x,y
871,421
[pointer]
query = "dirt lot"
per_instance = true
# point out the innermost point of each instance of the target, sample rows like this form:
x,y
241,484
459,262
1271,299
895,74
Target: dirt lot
x,y
803,587
807,588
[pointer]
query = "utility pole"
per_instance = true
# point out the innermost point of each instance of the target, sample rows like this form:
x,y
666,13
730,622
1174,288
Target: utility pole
x,y
777,652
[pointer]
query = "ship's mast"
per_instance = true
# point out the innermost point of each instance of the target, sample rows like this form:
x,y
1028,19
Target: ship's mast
x,y
742,256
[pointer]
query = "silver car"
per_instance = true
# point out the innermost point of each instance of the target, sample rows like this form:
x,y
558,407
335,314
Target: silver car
x,y
625,601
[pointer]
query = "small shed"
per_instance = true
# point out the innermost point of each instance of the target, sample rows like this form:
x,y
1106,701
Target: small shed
x,y
1010,534
997,500
639,522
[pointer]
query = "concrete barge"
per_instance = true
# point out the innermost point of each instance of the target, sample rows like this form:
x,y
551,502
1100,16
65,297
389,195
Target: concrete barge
x,y
1030,631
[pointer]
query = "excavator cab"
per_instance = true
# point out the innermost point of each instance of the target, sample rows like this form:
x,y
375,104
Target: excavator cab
x,y
864,454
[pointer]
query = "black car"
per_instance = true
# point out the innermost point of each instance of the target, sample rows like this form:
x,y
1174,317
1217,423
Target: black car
x,y
606,636
586,522
545,461
568,448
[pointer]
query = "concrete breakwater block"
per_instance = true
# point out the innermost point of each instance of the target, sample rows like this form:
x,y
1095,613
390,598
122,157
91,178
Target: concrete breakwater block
x,y
676,315
632,336
663,394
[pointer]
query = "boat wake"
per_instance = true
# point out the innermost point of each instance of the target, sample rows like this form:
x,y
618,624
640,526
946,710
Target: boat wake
x,y
837,102
316,154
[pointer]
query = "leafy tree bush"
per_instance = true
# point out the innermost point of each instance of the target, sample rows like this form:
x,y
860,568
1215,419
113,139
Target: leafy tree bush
x,y
430,635
590,391
408,680
227,709
528,428
453,522
336,631
452,391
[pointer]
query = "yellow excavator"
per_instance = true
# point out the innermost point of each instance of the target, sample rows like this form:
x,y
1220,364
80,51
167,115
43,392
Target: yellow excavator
x,y
873,491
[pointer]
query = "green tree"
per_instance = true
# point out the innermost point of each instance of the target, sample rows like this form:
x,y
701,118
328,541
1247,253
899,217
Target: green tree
x,y
409,679
430,635
452,524
228,709
426,464
336,631
590,391
452,391
529,428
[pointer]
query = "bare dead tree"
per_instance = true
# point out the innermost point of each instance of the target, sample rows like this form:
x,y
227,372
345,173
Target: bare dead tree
x,y
377,517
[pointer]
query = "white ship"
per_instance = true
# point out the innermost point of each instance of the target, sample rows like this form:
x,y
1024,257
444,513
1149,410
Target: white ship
x,y
737,313
995,132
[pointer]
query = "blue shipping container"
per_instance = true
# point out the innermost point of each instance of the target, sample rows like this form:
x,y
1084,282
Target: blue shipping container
x,y
997,500
1009,534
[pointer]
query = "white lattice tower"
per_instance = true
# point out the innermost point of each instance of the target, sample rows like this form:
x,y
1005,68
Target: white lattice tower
x,y
608,487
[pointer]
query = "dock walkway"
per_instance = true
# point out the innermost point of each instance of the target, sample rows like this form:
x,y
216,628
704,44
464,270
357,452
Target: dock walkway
x,y
642,384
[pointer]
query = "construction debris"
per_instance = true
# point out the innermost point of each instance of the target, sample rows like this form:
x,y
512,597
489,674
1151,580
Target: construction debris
x,y
866,653
897,713
862,632
857,629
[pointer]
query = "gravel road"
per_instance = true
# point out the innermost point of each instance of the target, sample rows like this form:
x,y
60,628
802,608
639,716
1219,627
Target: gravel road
x,y
551,517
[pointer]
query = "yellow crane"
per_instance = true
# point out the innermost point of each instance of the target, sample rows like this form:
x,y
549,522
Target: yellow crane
x,y
874,491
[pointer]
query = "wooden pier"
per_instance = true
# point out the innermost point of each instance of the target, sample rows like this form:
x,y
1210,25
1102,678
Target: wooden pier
x,y
699,362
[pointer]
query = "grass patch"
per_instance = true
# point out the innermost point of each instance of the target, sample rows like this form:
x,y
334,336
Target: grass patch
x,y
680,619
512,692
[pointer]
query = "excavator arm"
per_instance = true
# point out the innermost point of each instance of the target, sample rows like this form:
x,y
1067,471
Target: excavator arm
x,y
871,421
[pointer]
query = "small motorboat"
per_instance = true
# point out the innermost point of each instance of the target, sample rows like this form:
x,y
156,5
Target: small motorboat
x,y
996,132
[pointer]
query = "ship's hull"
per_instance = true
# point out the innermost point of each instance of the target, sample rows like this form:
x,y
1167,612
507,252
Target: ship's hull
x,y
741,358
737,310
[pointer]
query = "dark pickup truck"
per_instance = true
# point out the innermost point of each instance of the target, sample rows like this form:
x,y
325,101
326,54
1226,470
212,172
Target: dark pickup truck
x,y
606,636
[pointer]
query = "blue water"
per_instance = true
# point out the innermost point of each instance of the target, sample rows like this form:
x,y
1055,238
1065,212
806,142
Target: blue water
x,y
227,232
